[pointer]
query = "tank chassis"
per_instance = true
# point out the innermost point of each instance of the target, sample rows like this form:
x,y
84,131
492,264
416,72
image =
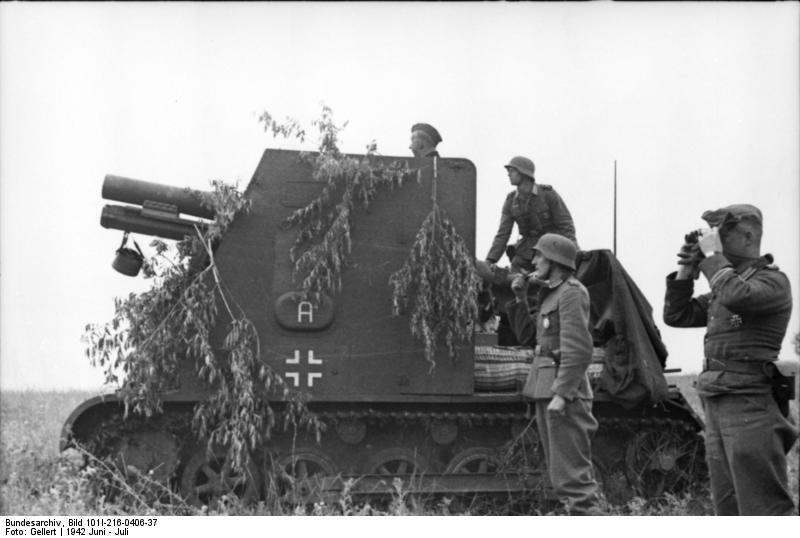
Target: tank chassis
x,y
387,416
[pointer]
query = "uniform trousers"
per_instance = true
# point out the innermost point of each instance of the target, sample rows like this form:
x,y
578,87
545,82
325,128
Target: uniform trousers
x,y
567,442
747,440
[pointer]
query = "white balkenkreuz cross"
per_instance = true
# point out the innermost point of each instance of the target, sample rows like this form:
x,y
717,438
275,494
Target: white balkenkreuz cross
x,y
310,376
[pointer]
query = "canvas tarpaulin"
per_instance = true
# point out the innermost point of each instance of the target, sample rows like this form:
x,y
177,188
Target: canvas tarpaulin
x,y
622,323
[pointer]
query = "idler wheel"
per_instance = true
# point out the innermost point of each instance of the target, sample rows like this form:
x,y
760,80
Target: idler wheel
x,y
663,461
300,476
206,478
477,459
397,462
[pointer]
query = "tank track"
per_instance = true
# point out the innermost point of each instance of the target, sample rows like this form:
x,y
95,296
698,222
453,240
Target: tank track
x,y
439,451
469,418
644,456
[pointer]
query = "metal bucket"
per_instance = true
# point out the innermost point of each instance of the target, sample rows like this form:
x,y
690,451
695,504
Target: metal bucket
x,y
128,261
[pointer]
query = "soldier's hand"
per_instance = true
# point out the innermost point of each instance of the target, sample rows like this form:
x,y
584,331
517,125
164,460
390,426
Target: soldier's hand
x,y
536,281
689,258
520,286
690,254
710,243
557,406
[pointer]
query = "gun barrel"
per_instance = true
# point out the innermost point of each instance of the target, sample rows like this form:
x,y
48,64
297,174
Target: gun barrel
x,y
135,191
130,220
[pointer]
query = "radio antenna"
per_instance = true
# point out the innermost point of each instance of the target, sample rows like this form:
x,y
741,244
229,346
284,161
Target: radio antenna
x,y
615,208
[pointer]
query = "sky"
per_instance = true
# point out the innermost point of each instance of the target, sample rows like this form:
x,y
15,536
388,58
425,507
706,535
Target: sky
x,y
697,103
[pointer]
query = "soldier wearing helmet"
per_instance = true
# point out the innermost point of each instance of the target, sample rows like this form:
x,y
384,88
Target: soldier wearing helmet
x,y
424,139
748,431
563,398
536,209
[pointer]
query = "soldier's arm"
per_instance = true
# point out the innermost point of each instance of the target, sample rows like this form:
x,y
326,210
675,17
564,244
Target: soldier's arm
x,y
575,341
503,233
562,219
523,324
766,291
680,309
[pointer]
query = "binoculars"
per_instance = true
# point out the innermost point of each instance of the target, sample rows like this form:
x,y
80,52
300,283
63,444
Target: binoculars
x,y
694,236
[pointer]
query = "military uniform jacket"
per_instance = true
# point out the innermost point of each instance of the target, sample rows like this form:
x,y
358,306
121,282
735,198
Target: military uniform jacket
x,y
540,212
746,315
562,332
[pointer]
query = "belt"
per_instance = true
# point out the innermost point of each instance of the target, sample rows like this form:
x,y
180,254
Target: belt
x,y
751,367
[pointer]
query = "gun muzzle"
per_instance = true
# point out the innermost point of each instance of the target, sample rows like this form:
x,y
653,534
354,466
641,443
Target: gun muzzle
x,y
137,192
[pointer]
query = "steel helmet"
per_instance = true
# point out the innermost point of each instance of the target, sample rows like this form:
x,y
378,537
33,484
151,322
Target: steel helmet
x,y
523,165
557,248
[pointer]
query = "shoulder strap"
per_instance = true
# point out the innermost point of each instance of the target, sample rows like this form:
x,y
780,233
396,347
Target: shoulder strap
x,y
762,263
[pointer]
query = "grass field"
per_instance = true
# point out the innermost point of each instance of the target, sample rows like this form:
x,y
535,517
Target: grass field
x,y
35,481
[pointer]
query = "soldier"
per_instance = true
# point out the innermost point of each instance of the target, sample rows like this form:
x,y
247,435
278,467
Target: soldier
x,y
564,398
745,315
537,209
424,139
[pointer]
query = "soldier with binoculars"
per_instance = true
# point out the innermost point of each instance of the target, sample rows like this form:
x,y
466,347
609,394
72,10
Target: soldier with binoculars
x,y
746,315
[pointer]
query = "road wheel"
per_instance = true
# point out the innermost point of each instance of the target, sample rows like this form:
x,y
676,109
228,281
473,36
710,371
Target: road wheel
x,y
397,462
209,477
477,459
299,476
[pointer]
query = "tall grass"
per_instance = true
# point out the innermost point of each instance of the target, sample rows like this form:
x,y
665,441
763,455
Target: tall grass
x,y
33,480
36,480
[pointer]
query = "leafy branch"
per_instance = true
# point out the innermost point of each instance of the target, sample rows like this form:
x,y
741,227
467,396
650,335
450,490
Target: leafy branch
x,y
322,244
152,333
438,284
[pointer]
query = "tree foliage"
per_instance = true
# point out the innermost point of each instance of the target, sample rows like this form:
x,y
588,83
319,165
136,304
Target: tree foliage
x,y
152,334
437,284
322,244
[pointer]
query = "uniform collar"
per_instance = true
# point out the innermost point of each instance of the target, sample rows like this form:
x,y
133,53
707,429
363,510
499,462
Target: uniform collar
x,y
748,268
555,282
534,192
741,265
